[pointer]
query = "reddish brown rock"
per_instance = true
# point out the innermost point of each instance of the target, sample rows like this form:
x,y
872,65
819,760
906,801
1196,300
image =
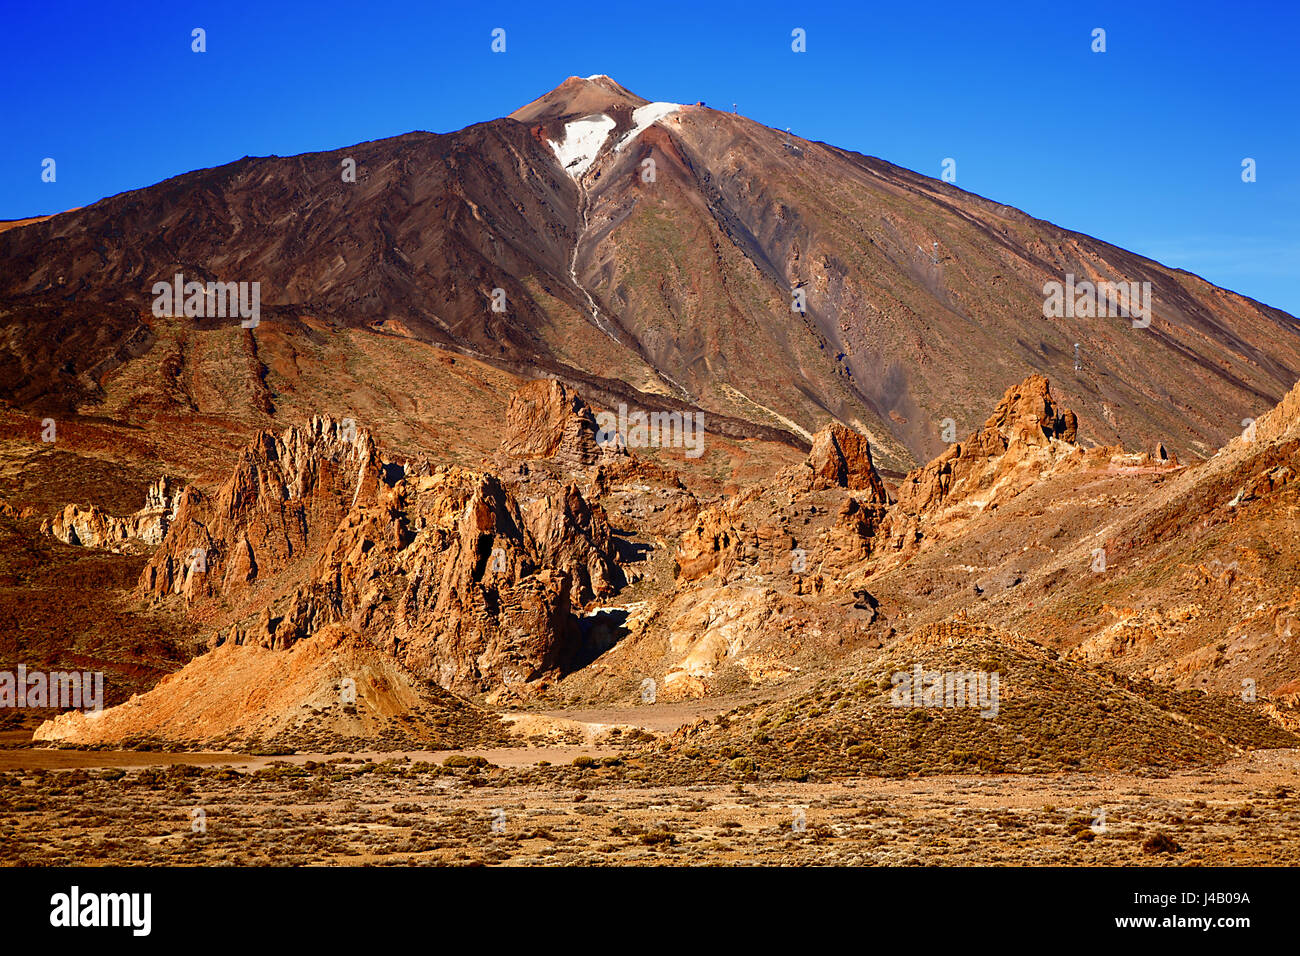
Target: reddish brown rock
x,y
1028,414
841,458
459,582
1027,433
286,495
546,420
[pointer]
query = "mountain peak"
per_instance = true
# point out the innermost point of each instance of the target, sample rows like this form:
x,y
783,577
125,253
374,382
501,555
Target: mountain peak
x,y
579,96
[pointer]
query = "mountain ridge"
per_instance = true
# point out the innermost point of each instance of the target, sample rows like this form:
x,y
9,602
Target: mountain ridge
x,y
437,221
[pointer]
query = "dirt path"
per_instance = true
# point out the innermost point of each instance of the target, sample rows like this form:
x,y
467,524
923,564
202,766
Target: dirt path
x,y
658,717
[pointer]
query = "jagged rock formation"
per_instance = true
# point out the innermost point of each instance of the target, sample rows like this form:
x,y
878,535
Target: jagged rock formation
x,y
1027,433
443,568
546,420
455,578
851,538
91,528
488,584
287,493
1029,437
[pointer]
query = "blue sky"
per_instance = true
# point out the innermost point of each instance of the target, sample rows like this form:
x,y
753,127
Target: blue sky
x,y
1141,145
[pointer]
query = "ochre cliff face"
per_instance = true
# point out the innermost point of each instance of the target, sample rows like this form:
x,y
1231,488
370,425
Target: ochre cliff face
x,y
546,420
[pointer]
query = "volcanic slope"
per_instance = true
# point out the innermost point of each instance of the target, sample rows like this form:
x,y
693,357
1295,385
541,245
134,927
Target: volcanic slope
x,y
648,253
333,691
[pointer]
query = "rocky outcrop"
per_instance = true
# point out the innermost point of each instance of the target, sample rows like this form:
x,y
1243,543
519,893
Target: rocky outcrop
x,y
711,628
1029,415
754,528
571,535
285,496
841,458
1027,433
91,528
707,546
738,635
455,578
722,542
446,569
546,420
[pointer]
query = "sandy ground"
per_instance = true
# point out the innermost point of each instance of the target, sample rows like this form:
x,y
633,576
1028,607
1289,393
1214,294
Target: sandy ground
x,y
575,804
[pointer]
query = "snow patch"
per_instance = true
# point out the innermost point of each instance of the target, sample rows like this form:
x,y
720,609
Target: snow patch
x,y
582,141
643,117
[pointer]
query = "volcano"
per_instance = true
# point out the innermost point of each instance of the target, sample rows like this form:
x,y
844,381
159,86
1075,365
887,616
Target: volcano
x,y
671,256
403,448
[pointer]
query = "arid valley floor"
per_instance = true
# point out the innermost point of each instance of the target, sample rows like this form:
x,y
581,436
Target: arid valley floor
x,y
595,806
